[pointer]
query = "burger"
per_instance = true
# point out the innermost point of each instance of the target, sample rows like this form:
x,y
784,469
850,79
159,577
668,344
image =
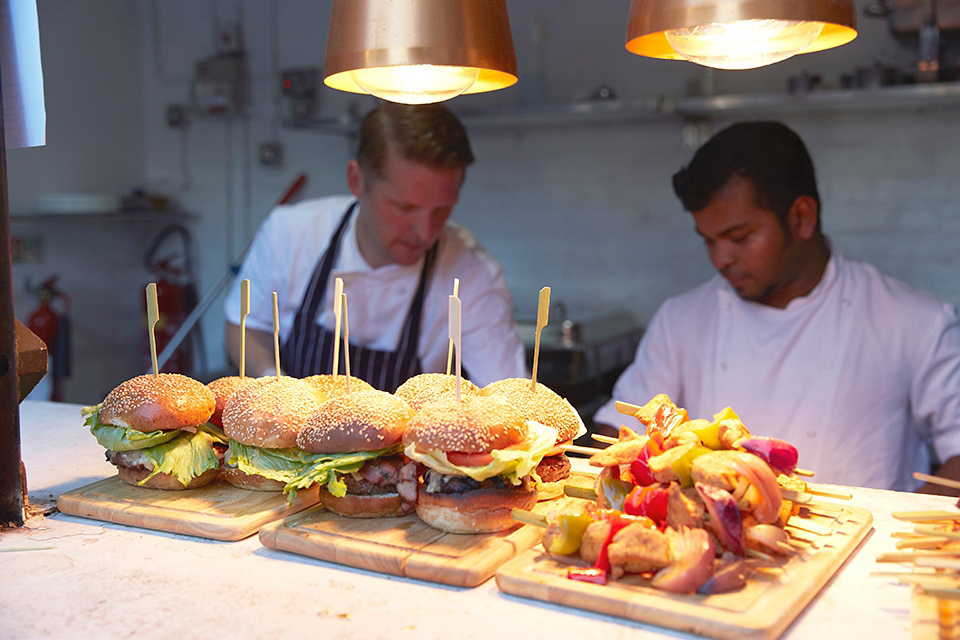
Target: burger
x,y
336,385
422,388
261,422
223,388
156,432
545,406
356,446
478,455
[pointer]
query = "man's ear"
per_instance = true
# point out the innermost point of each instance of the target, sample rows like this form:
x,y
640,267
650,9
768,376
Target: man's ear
x,y
355,178
803,217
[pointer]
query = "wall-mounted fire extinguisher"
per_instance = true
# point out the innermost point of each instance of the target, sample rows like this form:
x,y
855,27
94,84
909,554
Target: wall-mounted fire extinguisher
x,y
176,298
54,329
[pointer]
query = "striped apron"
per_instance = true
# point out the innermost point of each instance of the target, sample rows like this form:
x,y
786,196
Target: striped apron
x,y
308,349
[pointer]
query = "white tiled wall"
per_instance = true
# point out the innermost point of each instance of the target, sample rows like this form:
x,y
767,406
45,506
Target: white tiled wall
x,y
587,210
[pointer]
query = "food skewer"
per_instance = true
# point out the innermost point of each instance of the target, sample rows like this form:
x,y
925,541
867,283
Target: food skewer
x,y
244,311
453,328
543,314
276,333
153,315
926,516
936,532
346,340
943,482
456,291
337,314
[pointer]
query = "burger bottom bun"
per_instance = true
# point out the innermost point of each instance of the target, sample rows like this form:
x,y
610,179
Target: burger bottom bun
x,y
478,511
163,481
250,481
352,505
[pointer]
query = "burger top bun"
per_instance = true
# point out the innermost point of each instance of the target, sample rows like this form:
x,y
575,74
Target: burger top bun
x,y
358,421
477,424
270,414
332,386
158,403
222,389
542,405
424,387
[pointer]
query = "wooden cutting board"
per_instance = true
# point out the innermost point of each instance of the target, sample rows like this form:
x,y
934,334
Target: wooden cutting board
x,y
407,546
773,597
219,511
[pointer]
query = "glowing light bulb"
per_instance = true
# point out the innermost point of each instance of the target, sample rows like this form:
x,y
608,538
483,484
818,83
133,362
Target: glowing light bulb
x,y
416,84
743,44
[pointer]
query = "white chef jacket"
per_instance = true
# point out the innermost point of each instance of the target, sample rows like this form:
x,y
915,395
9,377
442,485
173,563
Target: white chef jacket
x,y
858,374
291,240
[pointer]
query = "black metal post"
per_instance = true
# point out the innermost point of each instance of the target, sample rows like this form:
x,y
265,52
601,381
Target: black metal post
x,y
11,483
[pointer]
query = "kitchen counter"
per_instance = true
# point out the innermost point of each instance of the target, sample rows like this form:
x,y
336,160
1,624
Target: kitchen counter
x,y
68,577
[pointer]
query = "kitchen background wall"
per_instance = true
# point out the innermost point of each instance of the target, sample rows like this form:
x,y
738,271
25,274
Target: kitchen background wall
x,y
585,208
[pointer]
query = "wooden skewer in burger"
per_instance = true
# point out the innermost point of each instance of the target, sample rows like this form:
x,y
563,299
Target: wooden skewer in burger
x,y
541,404
155,427
261,422
356,452
478,452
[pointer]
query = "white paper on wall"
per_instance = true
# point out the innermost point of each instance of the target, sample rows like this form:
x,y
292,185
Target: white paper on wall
x,y
24,112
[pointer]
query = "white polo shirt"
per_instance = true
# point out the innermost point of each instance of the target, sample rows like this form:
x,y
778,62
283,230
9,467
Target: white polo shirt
x,y
857,374
291,240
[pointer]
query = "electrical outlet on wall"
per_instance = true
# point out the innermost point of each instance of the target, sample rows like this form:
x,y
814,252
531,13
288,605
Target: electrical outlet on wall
x,y
271,154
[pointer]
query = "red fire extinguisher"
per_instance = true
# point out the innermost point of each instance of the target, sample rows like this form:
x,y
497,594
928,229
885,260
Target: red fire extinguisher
x,y
54,329
176,298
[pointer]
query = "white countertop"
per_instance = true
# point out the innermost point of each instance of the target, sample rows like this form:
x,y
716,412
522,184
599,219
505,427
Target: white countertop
x,y
101,580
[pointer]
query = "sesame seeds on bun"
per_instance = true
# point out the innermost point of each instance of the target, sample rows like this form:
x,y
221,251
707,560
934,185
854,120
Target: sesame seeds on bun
x,y
358,421
541,404
158,403
332,386
270,414
223,388
477,424
425,387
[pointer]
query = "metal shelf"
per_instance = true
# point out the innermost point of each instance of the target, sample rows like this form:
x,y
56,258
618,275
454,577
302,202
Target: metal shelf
x,y
105,216
627,111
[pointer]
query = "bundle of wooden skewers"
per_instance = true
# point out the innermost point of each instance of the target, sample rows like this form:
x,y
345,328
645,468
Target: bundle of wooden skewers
x,y
930,557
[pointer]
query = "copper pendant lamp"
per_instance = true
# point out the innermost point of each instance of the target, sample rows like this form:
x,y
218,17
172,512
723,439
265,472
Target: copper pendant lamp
x,y
738,34
419,51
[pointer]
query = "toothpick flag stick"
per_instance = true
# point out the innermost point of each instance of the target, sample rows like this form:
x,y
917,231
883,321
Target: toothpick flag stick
x,y
337,309
244,310
456,290
276,333
153,314
543,313
454,330
346,340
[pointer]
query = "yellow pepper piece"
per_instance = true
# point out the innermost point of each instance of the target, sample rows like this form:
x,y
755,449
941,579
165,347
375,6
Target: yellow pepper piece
x,y
726,414
708,432
571,533
681,466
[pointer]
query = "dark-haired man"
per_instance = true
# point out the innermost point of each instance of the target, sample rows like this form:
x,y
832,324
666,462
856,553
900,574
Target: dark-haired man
x,y
856,369
391,243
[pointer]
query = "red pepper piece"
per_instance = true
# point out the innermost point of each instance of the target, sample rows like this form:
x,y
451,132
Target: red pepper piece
x,y
639,468
587,574
649,501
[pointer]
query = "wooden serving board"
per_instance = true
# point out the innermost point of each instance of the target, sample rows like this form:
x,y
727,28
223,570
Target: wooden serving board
x,y
774,596
406,546
933,618
219,511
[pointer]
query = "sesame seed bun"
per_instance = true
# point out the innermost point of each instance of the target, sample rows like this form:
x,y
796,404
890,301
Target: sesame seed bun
x,y
359,421
269,415
158,403
222,389
332,386
541,404
477,424
479,511
164,481
425,387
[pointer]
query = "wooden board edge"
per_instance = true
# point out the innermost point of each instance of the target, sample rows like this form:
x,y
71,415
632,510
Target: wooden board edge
x,y
203,526
768,623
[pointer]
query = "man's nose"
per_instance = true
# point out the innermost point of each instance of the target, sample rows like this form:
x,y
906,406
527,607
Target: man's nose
x,y
722,256
424,226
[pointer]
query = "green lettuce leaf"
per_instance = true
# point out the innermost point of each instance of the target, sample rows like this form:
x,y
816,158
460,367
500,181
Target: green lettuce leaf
x,y
185,457
283,465
121,438
513,464
324,468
